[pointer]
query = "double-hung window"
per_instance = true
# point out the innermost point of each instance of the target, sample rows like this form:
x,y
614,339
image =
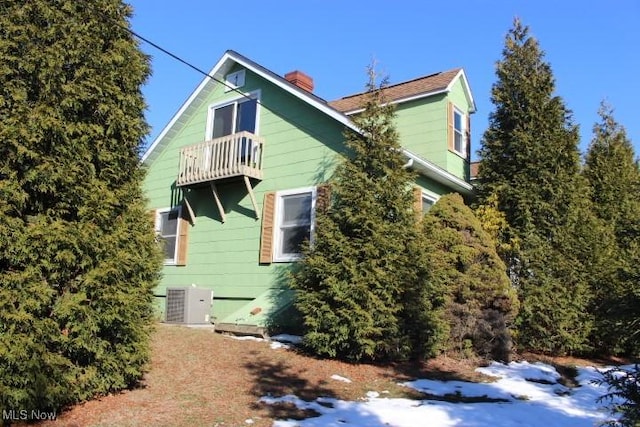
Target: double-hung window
x,y
459,133
293,223
167,229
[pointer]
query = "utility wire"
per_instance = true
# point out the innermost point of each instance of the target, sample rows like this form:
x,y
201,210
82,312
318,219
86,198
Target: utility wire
x,y
177,58
207,75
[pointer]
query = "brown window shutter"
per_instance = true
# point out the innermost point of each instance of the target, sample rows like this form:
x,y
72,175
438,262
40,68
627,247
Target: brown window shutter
x,y
152,217
450,131
183,238
468,136
266,237
417,202
323,197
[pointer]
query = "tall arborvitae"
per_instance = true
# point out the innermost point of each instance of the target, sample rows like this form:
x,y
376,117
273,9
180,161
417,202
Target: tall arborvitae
x,y
362,263
614,179
481,304
530,163
77,249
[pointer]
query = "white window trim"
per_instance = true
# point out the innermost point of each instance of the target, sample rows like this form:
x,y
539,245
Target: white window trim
x,y
158,227
430,197
256,94
238,76
463,125
277,235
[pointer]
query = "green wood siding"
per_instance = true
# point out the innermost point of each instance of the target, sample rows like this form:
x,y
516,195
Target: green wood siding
x,y
456,164
301,146
422,125
300,150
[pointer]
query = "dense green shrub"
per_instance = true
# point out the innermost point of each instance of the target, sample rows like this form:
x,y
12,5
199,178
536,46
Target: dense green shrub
x,y
480,301
614,180
530,172
77,249
365,265
623,395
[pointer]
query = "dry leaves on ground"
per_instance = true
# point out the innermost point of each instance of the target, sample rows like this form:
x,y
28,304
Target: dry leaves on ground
x,y
201,378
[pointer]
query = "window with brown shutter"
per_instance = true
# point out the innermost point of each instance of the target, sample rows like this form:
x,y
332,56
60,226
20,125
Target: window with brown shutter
x,y
417,202
183,239
450,132
323,197
172,229
266,236
457,131
468,136
422,202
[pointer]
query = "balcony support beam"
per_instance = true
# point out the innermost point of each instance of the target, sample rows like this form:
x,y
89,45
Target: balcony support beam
x,y
214,190
192,216
247,182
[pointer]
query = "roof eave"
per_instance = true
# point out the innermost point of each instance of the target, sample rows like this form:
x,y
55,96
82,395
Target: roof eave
x,y
405,99
467,89
262,72
438,174
184,106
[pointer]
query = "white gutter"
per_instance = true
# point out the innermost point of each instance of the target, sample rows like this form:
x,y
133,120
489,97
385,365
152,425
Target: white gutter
x,y
438,174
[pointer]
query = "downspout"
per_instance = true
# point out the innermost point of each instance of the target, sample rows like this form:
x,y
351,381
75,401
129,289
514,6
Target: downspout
x,y
408,164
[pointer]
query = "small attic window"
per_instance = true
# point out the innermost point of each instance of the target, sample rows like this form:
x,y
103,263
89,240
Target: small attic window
x,y
234,80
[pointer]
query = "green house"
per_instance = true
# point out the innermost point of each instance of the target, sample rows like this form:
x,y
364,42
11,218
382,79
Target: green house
x,y
234,177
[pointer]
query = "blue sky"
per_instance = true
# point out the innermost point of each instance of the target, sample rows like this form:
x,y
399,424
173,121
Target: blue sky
x,y
593,47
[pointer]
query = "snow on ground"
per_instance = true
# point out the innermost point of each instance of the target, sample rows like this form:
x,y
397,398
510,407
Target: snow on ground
x,y
524,394
529,395
277,341
340,378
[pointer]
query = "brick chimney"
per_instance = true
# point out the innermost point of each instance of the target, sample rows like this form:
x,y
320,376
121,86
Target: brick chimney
x,y
300,79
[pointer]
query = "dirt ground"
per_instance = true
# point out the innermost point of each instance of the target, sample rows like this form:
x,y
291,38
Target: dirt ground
x,y
201,378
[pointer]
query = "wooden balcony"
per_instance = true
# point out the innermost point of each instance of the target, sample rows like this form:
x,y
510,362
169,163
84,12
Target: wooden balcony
x,y
236,155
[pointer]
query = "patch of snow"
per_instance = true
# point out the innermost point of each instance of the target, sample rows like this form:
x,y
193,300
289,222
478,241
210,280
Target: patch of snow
x,y
248,421
244,338
276,342
276,345
531,392
340,378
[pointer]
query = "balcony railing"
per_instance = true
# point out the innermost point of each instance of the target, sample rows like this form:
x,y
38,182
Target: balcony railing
x,y
239,154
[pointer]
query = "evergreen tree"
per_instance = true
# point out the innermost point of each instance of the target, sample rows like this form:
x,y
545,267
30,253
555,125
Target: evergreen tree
x,y
481,303
77,250
614,180
362,267
530,163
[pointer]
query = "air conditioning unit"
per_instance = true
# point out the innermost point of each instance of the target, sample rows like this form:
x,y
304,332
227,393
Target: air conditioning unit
x,y
188,305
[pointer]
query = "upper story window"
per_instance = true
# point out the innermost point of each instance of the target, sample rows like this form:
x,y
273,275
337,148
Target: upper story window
x,y
459,133
233,117
293,223
234,80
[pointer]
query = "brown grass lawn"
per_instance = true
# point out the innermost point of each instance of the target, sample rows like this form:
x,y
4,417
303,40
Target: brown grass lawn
x,y
201,378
